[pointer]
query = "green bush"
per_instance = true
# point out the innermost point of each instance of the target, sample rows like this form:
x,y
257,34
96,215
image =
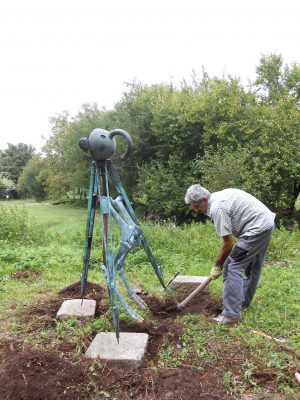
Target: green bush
x,y
161,189
17,226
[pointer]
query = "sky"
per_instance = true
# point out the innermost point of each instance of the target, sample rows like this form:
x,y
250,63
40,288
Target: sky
x,y
58,54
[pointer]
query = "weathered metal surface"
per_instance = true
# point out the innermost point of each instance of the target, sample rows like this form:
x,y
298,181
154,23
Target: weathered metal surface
x,y
101,144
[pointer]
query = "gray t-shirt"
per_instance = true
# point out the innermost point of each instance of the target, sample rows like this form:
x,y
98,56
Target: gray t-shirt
x,y
238,213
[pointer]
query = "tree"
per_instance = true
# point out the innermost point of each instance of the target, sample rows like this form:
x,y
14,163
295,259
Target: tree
x,y
31,181
214,131
14,158
273,164
7,187
275,81
66,165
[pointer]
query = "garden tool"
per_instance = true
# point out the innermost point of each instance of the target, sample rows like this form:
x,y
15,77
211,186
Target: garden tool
x,y
202,286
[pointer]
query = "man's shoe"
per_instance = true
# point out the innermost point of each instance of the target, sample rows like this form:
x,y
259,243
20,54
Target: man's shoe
x,y
221,319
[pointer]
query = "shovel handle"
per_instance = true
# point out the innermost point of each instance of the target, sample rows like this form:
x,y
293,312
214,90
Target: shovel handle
x,y
194,292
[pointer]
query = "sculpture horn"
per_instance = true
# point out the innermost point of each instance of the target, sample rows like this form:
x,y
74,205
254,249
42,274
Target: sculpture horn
x,y
128,139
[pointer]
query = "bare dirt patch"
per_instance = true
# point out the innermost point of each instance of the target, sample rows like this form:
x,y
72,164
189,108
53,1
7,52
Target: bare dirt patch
x,y
26,275
31,374
202,304
34,373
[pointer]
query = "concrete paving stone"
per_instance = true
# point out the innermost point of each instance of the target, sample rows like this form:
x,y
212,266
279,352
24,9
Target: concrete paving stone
x,y
185,284
77,308
129,352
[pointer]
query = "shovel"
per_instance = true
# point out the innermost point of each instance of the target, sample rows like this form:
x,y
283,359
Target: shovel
x,y
198,289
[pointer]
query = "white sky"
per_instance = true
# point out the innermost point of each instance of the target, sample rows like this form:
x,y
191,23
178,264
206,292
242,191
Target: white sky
x,y
58,54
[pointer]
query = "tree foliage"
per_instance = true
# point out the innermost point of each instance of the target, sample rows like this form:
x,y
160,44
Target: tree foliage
x,y
31,182
14,158
7,187
212,130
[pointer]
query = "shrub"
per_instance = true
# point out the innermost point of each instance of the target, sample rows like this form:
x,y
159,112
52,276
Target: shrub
x,y
17,226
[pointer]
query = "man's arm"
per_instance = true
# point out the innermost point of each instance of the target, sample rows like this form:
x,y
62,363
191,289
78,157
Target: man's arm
x,y
225,250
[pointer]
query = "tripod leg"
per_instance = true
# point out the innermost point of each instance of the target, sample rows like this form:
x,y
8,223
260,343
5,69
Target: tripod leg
x,y
89,229
107,245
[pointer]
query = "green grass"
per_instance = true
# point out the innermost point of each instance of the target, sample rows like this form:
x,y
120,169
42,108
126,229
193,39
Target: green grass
x,y
190,250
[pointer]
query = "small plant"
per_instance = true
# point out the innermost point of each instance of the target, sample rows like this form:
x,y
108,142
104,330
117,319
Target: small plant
x,y
227,379
171,357
101,325
65,328
248,373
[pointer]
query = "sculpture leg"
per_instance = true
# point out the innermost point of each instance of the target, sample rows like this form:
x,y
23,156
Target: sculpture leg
x,y
120,189
129,235
127,309
140,302
125,306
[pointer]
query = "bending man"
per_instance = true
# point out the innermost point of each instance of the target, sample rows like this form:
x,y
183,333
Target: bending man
x,y
236,213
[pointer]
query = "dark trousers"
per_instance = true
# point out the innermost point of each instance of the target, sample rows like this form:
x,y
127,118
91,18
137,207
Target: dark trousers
x,y
241,272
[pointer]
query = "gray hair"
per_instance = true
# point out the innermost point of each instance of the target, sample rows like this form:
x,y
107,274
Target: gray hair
x,y
197,193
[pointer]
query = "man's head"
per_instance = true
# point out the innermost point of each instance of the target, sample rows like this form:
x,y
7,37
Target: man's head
x,y
197,196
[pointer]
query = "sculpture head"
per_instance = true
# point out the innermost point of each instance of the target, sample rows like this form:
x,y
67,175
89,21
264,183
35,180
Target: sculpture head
x,y
101,144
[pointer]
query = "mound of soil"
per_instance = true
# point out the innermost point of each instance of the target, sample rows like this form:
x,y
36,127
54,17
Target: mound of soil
x,y
31,374
92,291
43,315
35,375
202,304
185,383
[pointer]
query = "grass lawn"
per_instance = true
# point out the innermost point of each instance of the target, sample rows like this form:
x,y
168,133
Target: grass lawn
x,y
51,251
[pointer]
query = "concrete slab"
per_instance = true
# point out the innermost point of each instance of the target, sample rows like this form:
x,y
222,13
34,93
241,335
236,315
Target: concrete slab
x,y
185,284
77,308
129,352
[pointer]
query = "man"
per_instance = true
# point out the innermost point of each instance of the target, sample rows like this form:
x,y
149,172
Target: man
x,y
235,213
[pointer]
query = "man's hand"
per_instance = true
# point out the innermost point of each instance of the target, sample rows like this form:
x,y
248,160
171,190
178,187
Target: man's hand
x,y
216,272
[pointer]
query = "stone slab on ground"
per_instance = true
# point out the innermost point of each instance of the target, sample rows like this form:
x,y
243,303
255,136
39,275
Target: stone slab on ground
x,y
77,308
185,284
129,352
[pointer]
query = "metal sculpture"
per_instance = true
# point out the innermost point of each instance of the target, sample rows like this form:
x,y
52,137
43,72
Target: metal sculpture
x,y
101,145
